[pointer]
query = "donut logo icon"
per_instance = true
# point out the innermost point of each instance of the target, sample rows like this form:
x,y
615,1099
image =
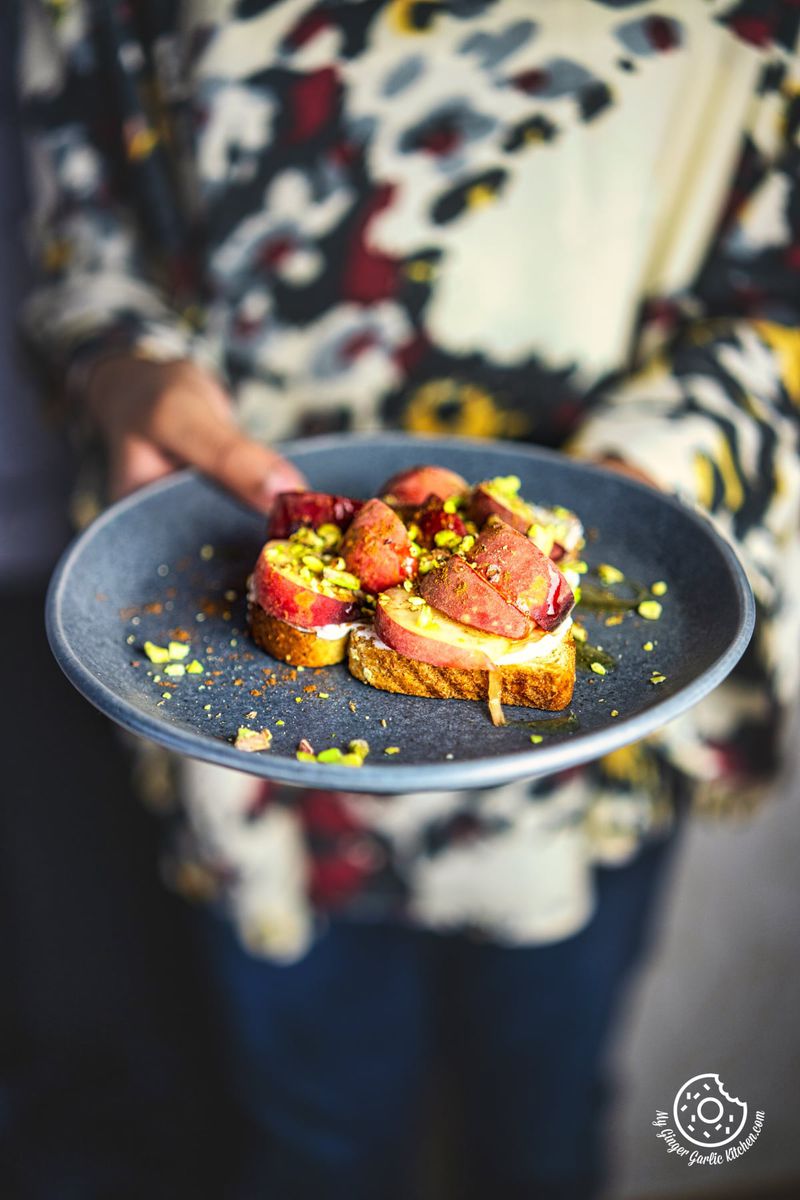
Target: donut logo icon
x,y
705,1114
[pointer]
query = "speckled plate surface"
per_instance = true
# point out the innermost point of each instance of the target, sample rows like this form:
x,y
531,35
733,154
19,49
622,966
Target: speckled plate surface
x,y
175,557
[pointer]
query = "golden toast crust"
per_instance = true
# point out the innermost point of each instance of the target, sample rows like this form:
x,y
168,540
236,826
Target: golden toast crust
x,y
298,647
545,683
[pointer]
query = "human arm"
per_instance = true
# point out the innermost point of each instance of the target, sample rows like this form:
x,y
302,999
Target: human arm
x,y
114,309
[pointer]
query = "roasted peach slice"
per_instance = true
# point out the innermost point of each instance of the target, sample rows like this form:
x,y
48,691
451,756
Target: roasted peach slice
x,y
293,510
500,498
516,567
416,484
377,548
304,593
461,593
409,626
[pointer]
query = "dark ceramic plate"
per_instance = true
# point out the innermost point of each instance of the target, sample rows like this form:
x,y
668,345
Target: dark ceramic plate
x,y
146,568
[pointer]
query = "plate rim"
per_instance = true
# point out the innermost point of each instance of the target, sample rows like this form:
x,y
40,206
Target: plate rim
x,y
397,778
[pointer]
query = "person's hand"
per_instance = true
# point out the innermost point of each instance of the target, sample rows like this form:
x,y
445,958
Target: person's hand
x,y
621,467
156,417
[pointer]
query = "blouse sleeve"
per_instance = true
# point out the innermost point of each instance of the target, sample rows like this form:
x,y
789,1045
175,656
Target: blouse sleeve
x,y
102,196
713,413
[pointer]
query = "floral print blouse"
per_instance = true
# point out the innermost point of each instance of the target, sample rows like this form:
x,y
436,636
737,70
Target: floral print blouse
x,y
576,224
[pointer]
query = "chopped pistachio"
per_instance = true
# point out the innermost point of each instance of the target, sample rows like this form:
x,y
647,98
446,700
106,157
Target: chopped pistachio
x,y
359,746
324,695
510,484
342,579
598,668
580,568
178,650
579,633
175,670
424,615
156,654
659,588
536,738
415,601
252,739
446,537
615,712
277,722
467,542
650,609
657,677
206,708
194,667
304,756
298,699
407,585
332,755
166,695
313,563
392,750
451,505
414,532
610,574
351,760
330,533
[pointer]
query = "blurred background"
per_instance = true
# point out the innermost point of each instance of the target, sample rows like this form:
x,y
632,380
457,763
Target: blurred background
x,y
105,1046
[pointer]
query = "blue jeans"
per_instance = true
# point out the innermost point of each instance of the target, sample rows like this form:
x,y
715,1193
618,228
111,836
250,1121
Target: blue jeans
x,y
329,1057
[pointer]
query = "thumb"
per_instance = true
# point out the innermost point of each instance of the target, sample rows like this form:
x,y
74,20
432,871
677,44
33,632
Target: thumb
x,y
250,470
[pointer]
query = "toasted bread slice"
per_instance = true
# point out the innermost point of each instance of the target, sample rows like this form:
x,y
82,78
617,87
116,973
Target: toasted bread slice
x,y
546,682
298,647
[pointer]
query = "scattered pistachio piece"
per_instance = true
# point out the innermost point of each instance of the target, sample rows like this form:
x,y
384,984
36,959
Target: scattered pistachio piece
x,y
166,695
536,738
175,670
194,667
156,654
610,574
392,750
659,588
351,760
657,677
332,755
359,746
598,668
650,609
277,722
304,756
324,695
648,646
178,650
615,712
252,739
